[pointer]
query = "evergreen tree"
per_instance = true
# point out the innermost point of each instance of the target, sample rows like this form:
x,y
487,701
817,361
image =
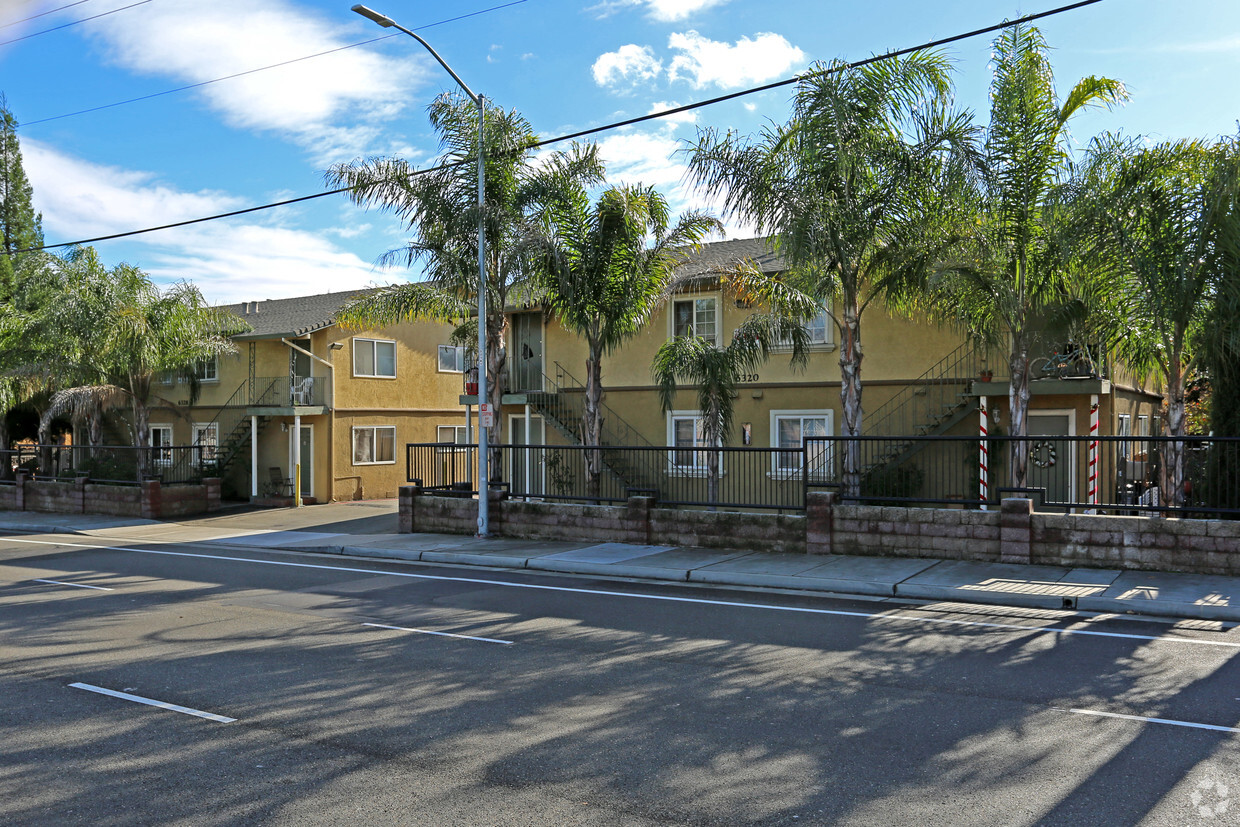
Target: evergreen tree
x,y
21,228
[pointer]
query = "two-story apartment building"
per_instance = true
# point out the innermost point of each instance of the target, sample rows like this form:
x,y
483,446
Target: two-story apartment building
x,y
918,378
302,392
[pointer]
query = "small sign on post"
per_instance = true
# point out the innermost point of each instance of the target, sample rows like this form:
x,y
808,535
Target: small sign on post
x,y
486,416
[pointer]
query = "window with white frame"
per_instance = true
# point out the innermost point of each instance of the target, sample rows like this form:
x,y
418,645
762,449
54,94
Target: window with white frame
x,y
790,430
1124,428
206,443
374,445
161,442
685,432
819,329
451,359
374,358
696,317
208,370
456,434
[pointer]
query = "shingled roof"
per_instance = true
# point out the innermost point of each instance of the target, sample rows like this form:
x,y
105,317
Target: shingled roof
x,y
719,256
298,316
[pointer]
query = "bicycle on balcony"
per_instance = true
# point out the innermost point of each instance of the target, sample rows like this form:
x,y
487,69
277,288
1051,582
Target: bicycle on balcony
x,y
1069,361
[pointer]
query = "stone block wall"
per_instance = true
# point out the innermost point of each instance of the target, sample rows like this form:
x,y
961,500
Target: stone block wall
x,y
149,500
1013,534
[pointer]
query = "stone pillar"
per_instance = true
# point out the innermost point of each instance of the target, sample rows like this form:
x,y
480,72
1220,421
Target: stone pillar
x,y
77,502
213,486
408,504
23,477
819,520
152,500
637,519
1016,530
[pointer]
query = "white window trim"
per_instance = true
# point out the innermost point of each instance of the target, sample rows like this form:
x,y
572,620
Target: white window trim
x,y
685,470
205,426
828,343
439,361
375,356
778,473
374,443
166,461
671,314
215,362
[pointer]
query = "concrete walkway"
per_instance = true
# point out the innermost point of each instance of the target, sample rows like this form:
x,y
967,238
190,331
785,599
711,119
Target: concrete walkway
x,y
368,529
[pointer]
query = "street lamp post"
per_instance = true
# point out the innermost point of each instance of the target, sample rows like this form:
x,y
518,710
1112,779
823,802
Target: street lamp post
x,y
483,460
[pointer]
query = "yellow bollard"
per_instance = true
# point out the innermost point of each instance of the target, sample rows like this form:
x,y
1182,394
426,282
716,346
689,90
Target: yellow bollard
x,y
297,485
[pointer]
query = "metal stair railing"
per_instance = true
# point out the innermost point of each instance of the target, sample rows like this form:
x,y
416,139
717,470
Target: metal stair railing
x,y
232,429
564,406
927,406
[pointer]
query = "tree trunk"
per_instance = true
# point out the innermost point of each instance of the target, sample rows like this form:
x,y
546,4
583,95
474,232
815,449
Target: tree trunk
x,y
45,440
1171,466
1018,409
850,395
6,458
497,381
592,422
141,435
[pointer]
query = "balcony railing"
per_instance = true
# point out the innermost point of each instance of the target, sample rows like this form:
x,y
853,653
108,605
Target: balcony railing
x,y
286,392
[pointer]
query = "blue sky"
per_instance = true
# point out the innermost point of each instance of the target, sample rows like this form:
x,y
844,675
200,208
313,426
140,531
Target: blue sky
x,y
565,64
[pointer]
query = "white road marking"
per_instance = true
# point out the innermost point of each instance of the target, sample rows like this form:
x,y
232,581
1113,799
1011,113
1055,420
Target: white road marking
x,y
74,585
440,634
1144,719
637,596
125,696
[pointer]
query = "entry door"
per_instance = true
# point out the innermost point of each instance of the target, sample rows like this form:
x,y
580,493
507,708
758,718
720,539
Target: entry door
x,y
307,459
528,469
1052,462
527,352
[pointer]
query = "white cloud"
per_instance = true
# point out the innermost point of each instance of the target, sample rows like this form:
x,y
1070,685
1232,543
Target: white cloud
x,y
704,62
666,11
629,64
194,42
234,259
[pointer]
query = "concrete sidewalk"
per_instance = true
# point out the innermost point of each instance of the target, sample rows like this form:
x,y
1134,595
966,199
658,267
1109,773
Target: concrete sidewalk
x,y
368,529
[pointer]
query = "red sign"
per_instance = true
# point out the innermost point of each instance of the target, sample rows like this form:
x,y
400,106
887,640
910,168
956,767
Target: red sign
x,y
486,416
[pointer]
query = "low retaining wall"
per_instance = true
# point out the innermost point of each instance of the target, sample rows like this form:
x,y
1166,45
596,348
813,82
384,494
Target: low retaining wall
x,y
150,500
1013,534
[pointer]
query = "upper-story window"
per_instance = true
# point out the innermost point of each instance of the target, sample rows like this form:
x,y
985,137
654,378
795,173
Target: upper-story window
x,y
451,359
696,317
374,358
208,370
819,329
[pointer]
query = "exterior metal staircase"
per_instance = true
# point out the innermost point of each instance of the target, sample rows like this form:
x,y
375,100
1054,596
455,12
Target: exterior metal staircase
x,y
563,406
931,405
232,428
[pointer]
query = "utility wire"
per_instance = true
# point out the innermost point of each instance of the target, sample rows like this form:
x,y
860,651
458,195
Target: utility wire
x,y
73,23
264,68
43,14
584,132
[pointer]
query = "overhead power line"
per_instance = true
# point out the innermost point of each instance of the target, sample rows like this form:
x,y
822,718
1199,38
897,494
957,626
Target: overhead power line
x,y
43,14
615,125
73,23
265,68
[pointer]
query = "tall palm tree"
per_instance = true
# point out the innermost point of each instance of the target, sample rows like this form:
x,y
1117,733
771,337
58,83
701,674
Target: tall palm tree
x,y
846,188
717,371
1011,273
609,266
1162,216
440,208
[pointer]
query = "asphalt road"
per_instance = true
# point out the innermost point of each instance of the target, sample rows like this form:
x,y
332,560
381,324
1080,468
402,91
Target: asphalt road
x,y
563,700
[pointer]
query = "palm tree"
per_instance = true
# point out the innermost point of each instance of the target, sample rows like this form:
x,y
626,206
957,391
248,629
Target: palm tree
x,y
716,371
846,188
441,210
1162,216
609,266
1012,271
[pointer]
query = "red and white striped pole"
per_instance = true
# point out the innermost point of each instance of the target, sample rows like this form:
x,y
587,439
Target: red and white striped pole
x,y
983,461
1092,492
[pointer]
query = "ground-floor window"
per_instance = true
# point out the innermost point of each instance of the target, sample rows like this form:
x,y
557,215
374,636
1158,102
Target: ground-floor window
x,y
456,434
206,443
374,445
161,441
686,431
790,430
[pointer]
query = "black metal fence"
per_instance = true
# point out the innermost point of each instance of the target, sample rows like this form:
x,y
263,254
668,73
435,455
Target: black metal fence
x,y
116,464
1104,475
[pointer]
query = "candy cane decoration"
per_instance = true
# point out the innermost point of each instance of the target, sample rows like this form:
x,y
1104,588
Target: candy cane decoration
x,y
1092,493
983,461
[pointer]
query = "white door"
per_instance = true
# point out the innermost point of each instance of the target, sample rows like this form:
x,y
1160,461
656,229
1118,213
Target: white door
x,y
1052,462
528,471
